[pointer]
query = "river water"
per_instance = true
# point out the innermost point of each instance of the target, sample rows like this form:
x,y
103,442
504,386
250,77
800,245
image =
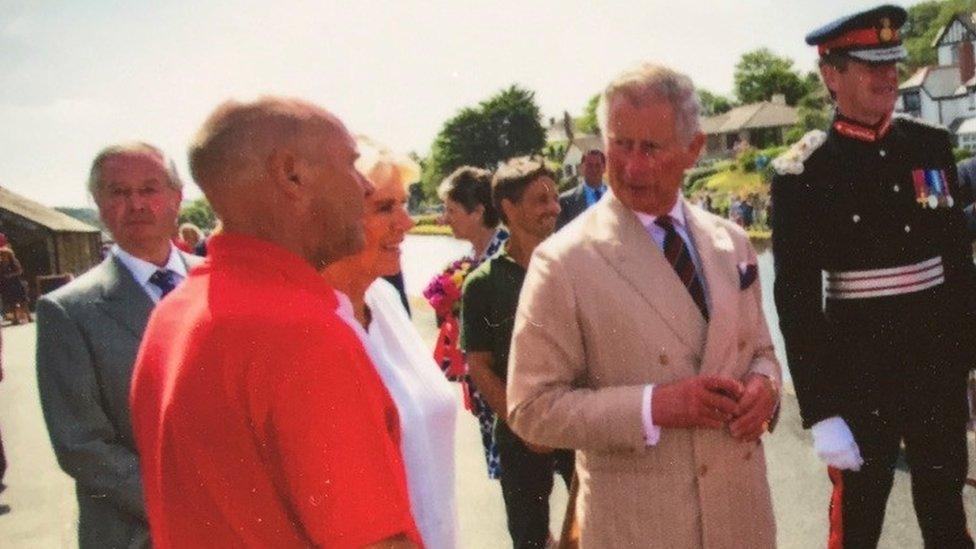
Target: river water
x,y
424,256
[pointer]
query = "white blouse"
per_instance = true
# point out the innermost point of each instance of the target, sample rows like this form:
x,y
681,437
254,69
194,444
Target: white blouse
x,y
427,406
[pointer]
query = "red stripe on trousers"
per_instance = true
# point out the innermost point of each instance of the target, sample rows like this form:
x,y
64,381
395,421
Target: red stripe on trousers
x,y
835,539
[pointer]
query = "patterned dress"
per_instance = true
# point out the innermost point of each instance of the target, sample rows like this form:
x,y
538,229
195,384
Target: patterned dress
x,y
474,402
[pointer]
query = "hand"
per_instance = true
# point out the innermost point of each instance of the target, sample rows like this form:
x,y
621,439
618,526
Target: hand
x,y
756,407
835,444
700,401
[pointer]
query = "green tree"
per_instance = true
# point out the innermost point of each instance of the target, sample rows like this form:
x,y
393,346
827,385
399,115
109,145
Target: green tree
x,y
813,112
588,122
713,103
199,213
760,74
504,125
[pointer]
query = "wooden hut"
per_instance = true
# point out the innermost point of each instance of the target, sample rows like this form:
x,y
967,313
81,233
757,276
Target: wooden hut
x,y
47,242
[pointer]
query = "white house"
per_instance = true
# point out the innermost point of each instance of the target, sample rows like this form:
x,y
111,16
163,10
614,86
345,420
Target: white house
x,y
946,93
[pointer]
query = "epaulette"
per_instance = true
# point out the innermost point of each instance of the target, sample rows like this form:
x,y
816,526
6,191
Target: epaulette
x,y
920,122
791,162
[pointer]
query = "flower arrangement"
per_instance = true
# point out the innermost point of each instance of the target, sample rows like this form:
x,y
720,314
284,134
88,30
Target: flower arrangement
x,y
444,295
444,291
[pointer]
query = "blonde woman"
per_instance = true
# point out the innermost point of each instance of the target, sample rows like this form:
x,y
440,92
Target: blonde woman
x,y
371,305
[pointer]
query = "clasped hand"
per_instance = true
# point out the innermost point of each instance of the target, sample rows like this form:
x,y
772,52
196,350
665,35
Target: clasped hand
x,y
714,402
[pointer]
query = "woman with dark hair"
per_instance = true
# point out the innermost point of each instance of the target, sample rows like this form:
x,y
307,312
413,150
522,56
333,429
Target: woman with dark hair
x,y
471,214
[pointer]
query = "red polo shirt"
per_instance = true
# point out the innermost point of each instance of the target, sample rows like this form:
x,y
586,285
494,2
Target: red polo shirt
x,y
259,419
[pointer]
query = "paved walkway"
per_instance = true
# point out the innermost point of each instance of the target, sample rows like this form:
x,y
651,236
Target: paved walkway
x,y
42,511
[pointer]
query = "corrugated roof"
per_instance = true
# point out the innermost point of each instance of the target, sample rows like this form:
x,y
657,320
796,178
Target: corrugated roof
x,y
41,214
764,114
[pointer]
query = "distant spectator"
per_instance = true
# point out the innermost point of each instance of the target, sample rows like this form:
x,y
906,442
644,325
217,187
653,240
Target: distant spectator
x,y
589,191
13,289
201,247
189,237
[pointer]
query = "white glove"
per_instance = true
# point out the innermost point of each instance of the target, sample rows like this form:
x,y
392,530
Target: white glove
x,y
835,445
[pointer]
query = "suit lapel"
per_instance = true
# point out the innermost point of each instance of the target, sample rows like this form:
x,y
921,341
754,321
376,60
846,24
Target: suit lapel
x,y
716,253
629,250
123,299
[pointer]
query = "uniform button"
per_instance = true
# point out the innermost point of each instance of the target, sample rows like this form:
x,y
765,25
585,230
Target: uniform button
x,y
856,218
908,228
664,359
703,470
896,188
882,153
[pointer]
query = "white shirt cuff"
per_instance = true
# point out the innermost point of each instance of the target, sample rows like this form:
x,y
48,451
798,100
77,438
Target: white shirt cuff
x,y
652,433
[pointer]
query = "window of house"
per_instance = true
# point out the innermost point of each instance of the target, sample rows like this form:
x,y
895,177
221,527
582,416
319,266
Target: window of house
x,y
913,101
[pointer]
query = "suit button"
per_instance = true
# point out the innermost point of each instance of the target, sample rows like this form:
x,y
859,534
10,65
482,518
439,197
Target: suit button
x,y
664,359
703,470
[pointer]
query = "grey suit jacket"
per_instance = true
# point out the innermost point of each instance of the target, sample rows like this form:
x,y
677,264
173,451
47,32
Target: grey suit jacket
x,y
88,333
572,203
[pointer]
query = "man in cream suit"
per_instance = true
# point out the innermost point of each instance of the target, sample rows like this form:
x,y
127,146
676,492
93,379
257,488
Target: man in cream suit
x,y
640,342
88,333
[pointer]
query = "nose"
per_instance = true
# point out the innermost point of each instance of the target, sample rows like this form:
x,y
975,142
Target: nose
x,y
637,165
404,221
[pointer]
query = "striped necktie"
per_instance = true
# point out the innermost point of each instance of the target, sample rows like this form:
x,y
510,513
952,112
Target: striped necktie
x,y
679,256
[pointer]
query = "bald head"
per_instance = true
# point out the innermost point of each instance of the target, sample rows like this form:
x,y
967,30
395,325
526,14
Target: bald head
x,y
236,140
284,170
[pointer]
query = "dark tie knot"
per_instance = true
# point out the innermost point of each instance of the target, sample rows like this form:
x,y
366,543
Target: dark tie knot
x,y
665,222
164,279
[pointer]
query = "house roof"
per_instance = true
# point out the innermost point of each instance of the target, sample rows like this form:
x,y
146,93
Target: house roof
x,y
41,214
764,114
968,20
939,82
963,125
587,142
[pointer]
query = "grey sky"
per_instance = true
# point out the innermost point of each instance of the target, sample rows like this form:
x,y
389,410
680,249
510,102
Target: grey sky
x,y
76,75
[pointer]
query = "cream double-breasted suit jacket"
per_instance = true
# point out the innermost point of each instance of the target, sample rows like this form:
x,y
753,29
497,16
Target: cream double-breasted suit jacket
x,y
602,314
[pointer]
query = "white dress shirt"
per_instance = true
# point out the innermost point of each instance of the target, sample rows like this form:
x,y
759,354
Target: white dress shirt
x,y
142,269
652,432
427,406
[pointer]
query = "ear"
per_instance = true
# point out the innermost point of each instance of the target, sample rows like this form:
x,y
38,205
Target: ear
x,y
508,208
283,173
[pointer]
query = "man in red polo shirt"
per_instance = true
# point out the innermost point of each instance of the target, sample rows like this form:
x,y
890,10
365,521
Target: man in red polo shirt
x,y
258,416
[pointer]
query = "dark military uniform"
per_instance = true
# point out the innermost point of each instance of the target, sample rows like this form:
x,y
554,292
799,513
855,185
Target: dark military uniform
x,y
874,287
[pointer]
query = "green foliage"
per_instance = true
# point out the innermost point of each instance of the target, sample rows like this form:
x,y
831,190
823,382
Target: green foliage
x,y
696,178
924,22
813,112
961,154
199,213
588,122
760,74
425,219
504,125
713,103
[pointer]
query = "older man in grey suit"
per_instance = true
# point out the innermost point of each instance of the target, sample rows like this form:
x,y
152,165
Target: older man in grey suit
x,y
88,333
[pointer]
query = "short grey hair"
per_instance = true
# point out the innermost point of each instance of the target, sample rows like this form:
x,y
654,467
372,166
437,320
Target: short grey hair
x,y
134,147
648,81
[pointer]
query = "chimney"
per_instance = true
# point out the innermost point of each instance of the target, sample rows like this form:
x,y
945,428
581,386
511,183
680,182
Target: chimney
x,y
967,63
778,99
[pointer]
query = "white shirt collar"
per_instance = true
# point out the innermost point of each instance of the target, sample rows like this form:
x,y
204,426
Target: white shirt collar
x,y
142,269
677,213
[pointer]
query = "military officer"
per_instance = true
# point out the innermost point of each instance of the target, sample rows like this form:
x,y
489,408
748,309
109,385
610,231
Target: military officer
x,y
865,216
